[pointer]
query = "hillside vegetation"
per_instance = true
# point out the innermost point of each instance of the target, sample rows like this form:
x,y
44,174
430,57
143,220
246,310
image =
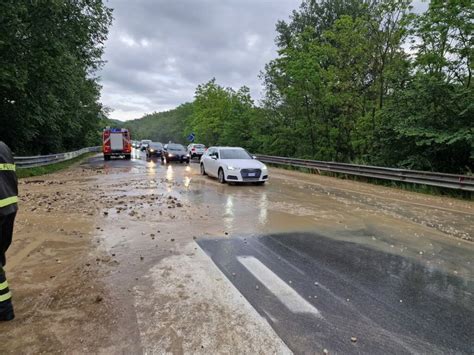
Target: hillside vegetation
x,y
162,126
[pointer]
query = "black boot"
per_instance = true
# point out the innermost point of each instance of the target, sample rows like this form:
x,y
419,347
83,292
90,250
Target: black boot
x,y
6,311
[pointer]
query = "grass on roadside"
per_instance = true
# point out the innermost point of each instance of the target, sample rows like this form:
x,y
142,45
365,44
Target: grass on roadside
x,y
48,169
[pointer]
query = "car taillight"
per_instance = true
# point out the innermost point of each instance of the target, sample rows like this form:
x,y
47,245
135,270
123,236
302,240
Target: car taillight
x,y
193,149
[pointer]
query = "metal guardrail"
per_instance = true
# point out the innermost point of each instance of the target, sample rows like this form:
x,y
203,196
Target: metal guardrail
x,y
40,160
451,181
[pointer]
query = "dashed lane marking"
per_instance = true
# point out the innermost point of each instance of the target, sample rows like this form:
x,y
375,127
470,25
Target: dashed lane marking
x,y
287,295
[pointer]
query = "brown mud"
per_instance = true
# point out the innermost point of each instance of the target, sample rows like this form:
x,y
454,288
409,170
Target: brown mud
x,y
104,258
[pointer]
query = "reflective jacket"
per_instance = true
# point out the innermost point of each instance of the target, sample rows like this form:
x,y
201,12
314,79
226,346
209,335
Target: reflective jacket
x,y
8,182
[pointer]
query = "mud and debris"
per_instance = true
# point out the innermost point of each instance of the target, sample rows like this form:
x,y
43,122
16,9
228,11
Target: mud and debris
x,y
105,259
198,312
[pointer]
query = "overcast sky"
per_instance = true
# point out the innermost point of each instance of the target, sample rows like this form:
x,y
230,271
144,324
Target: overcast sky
x,y
158,51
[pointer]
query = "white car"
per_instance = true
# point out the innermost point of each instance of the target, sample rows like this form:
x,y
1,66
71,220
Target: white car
x,y
144,143
196,150
233,164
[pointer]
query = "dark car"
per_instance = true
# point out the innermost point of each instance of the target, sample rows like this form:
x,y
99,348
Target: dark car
x,y
154,149
174,152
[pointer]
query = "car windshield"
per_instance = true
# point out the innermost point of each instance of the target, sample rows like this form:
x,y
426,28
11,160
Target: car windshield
x,y
234,154
156,145
175,147
199,146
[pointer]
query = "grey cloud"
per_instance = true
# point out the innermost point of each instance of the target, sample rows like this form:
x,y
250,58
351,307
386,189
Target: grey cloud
x,y
158,51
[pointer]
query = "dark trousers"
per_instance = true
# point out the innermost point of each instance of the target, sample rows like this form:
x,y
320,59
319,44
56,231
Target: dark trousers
x,y
6,234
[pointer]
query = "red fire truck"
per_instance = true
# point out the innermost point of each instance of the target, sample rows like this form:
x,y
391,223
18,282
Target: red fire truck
x,y
116,142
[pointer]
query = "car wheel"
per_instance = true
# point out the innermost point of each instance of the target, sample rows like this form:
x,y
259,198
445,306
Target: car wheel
x,y
221,176
260,183
187,161
203,171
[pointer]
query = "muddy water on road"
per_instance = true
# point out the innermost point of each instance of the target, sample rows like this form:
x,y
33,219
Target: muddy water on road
x,y
154,242
153,289
373,216
431,229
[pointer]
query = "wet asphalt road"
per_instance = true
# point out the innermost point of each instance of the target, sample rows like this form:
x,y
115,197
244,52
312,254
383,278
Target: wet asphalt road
x,y
320,284
390,304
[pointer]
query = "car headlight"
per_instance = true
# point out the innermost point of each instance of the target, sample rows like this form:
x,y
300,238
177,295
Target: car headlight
x,y
232,168
264,167
170,155
152,150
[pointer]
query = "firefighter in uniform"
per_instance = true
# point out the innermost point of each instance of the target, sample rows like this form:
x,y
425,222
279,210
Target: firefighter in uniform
x,y
8,209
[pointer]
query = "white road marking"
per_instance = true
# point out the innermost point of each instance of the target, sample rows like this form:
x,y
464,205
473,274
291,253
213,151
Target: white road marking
x,y
170,304
287,295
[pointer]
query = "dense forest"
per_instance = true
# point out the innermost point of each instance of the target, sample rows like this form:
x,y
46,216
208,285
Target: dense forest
x,y
50,52
354,81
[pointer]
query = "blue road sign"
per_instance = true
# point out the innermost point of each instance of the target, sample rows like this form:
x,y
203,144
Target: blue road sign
x,y
191,137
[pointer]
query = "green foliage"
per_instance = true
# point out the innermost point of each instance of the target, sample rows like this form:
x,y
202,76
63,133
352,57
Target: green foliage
x,y
431,123
161,126
221,115
344,87
49,52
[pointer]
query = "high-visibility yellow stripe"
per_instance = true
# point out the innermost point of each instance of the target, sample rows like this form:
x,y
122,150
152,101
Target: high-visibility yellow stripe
x,y
8,201
7,167
6,296
3,285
